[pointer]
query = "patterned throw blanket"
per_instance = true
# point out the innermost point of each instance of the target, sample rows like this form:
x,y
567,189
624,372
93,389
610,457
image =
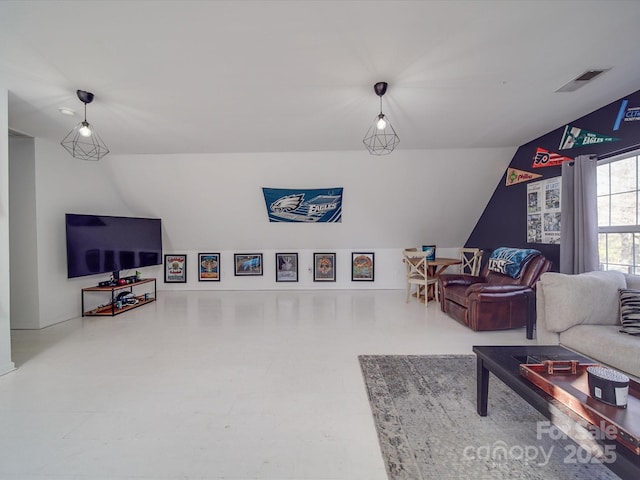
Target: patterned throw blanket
x,y
509,261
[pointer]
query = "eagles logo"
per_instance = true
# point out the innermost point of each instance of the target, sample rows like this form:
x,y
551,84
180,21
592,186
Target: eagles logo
x,y
287,204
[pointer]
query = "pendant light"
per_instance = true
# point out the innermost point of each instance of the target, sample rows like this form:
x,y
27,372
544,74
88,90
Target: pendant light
x,y
381,138
83,142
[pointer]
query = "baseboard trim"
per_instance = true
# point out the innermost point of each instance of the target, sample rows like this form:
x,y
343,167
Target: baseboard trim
x,y
6,368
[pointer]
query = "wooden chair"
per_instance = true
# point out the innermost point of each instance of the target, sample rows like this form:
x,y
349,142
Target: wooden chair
x,y
471,259
417,273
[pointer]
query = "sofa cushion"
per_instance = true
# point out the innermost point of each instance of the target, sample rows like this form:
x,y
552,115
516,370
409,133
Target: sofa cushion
x,y
633,281
630,311
606,345
587,298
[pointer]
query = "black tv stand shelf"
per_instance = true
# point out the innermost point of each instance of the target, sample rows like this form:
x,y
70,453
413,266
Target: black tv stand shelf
x,y
111,309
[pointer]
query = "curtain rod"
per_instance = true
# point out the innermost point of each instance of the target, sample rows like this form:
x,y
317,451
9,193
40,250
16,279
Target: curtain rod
x,y
619,152
615,153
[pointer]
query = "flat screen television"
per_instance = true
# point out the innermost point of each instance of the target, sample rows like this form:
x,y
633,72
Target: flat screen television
x,y
105,244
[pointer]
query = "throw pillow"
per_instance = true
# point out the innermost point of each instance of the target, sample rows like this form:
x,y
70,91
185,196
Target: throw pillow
x,y
630,311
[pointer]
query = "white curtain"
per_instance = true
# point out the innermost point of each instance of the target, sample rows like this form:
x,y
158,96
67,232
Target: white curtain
x,y
579,216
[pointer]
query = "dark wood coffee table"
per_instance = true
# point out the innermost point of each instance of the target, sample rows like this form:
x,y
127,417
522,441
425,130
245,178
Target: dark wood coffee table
x,y
504,362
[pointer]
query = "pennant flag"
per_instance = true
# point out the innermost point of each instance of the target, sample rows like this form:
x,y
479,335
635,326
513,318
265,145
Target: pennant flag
x,y
630,114
574,137
319,205
518,176
546,158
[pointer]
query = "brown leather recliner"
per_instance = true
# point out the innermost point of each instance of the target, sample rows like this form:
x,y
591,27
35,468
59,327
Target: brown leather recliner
x,y
493,301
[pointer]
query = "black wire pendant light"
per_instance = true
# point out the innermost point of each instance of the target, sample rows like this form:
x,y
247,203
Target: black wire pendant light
x,y
381,138
83,142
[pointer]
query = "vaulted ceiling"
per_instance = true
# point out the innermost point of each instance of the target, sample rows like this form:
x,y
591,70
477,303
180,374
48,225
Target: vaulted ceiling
x,y
270,76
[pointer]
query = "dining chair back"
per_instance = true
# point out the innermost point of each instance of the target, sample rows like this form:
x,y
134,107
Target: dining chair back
x,y
471,259
417,272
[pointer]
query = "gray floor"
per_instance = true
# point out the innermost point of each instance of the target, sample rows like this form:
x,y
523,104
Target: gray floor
x,y
214,385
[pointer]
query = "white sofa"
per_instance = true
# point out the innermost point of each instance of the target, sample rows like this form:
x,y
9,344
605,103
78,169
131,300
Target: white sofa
x,y
582,313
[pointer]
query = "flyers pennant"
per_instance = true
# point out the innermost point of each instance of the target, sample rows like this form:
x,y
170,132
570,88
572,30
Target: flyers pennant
x,y
518,176
577,137
545,158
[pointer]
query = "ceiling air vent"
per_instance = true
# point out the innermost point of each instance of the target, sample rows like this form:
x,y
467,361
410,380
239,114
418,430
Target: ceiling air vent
x,y
581,80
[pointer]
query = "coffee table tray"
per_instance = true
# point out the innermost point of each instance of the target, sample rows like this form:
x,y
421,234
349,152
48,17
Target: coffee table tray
x,y
566,381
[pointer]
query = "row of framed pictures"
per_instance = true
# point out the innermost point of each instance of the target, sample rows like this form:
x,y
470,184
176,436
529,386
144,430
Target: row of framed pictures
x,y
250,264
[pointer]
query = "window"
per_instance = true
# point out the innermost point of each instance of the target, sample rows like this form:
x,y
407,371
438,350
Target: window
x,y
618,215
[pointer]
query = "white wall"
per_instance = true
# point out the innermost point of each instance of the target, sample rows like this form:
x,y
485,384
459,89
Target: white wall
x,y
6,365
214,203
66,185
25,304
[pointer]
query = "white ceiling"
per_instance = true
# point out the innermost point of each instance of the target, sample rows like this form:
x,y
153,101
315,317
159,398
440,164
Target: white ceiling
x,y
275,76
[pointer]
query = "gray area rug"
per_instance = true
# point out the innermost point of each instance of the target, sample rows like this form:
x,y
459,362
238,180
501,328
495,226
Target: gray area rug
x,y
424,408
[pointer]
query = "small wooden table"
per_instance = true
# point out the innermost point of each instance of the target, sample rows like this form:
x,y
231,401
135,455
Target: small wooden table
x,y
438,265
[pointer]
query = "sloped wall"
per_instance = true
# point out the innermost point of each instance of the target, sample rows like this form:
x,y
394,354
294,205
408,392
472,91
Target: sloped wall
x,y
214,203
215,200
504,220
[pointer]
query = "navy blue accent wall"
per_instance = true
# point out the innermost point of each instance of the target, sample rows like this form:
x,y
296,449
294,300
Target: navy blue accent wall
x,y
504,220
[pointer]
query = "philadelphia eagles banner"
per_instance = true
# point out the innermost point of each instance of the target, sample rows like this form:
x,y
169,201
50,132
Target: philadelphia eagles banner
x,y
306,206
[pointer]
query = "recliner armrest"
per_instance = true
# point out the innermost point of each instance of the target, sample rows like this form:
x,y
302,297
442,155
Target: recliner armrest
x,y
486,291
450,279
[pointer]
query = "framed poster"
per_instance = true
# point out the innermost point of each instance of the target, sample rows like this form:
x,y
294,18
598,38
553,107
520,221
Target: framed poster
x,y
175,268
543,211
247,264
209,267
286,267
362,266
324,267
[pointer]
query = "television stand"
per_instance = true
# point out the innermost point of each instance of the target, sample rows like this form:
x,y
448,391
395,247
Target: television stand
x,y
111,309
